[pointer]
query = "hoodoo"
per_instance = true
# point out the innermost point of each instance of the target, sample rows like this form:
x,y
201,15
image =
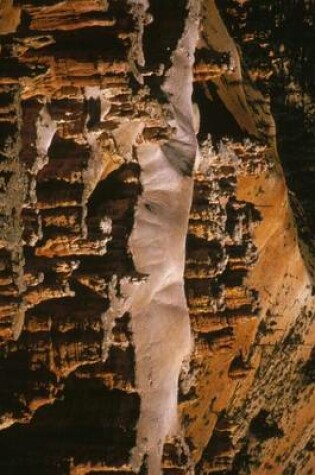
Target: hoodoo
x,y
157,237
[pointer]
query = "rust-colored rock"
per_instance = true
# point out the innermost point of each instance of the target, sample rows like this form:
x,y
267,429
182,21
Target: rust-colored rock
x,y
156,237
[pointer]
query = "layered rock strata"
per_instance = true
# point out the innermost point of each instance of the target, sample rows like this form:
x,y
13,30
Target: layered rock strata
x,y
156,303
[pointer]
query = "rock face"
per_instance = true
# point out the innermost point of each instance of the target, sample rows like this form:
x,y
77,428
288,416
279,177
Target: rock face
x,y
157,237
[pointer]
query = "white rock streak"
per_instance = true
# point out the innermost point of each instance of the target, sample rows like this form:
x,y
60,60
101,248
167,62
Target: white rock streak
x,y
46,129
160,320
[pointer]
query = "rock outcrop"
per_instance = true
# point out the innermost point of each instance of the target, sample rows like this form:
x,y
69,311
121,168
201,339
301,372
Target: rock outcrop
x,y
156,237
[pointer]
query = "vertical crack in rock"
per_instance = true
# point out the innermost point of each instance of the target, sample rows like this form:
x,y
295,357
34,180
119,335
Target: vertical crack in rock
x,y
160,321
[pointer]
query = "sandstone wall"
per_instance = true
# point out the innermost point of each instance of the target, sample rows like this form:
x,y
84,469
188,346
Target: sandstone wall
x,y
156,237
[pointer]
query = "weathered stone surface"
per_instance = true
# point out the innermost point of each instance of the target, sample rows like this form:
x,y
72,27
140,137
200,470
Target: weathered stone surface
x,y
156,237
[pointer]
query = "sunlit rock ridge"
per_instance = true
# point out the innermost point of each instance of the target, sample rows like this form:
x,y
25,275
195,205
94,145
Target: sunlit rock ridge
x,y
157,254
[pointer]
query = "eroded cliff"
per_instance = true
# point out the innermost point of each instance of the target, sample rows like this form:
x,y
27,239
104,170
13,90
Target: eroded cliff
x,y
156,274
